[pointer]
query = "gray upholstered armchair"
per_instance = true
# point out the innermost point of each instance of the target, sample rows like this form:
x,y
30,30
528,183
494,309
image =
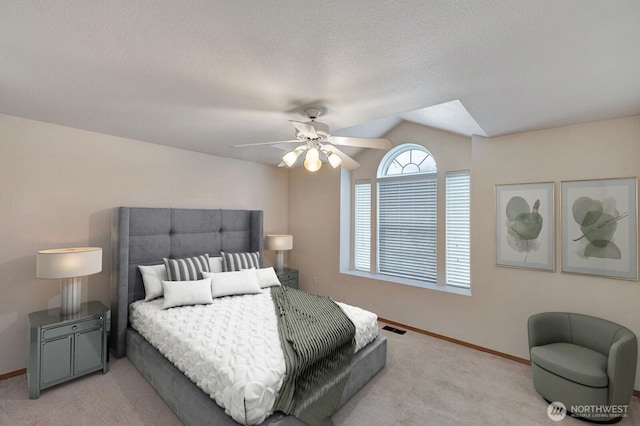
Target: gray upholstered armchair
x,y
584,362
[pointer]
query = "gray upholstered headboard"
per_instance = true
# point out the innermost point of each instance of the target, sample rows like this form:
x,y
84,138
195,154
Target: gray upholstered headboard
x,y
143,236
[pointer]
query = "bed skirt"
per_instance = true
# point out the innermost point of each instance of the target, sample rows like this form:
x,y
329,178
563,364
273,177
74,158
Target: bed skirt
x,y
194,407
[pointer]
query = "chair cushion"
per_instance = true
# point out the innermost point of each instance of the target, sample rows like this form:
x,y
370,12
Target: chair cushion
x,y
573,362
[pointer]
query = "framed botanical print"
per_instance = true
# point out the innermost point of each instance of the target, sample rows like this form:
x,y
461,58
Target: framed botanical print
x,y
524,220
599,227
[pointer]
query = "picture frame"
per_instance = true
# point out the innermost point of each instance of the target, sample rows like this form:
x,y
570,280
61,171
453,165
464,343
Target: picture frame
x,y
600,227
525,225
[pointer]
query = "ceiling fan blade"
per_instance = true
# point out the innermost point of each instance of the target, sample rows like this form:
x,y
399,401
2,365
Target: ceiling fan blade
x,y
306,129
264,143
376,143
347,161
287,146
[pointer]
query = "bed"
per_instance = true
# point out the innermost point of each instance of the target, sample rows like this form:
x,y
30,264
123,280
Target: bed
x,y
144,236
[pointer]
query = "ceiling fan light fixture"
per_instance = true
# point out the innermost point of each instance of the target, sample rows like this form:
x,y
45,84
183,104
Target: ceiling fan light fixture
x,y
312,154
333,159
312,165
312,160
290,157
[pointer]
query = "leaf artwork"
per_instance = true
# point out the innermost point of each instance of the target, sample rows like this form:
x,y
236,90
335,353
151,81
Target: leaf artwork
x,y
598,222
523,226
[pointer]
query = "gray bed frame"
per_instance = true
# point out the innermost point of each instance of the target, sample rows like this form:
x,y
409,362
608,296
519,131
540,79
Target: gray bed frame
x,y
144,236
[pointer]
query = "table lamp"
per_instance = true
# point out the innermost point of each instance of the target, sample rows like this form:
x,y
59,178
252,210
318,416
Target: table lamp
x,y
69,264
279,243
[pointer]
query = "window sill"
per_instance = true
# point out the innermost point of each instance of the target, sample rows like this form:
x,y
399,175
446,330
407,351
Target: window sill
x,y
422,284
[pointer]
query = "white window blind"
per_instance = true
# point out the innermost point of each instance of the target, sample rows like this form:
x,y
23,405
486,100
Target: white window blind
x,y
458,238
407,227
362,231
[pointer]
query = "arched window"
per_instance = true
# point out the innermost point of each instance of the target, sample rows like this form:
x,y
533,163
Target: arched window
x,y
407,159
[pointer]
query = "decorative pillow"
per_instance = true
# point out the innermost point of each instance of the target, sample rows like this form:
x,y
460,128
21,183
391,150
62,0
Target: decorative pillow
x,y
215,264
187,269
181,293
267,277
233,283
238,261
152,277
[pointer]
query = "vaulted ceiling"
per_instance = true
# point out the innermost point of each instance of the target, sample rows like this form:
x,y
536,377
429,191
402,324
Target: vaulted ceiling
x,y
204,75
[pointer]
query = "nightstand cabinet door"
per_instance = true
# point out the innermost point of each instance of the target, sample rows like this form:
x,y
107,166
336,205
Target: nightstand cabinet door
x,y
88,351
56,361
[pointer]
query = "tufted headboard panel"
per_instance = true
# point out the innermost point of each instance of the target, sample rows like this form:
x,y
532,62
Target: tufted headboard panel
x,y
144,236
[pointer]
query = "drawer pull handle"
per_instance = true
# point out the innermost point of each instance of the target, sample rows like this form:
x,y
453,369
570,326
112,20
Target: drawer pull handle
x,y
75,327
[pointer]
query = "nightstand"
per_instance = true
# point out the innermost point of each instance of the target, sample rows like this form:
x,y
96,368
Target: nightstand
x,y
288,277
63,347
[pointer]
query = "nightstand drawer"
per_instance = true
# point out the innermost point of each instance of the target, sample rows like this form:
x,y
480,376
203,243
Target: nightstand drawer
x,y
50,333
286,276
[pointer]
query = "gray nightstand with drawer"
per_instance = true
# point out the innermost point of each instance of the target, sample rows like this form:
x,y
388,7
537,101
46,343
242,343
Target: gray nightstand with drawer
x,y
288,277
63,347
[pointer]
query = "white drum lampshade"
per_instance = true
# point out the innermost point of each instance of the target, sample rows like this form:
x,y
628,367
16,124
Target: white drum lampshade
x,y
279,243
69,264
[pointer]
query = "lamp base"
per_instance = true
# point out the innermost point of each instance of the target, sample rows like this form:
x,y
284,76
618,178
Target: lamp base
x,y
279,263
70,295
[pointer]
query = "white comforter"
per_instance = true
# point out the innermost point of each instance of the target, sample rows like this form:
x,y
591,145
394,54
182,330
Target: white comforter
x,y
231,348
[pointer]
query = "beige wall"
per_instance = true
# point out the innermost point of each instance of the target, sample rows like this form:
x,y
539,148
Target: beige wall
x,y
495,315
58,186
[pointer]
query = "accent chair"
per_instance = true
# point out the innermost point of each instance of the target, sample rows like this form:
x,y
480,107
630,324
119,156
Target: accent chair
x,y
585,362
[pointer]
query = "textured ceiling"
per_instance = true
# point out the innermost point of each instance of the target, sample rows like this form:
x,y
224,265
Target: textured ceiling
x,y
204,75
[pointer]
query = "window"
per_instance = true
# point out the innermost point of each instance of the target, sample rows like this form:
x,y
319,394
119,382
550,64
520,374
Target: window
x,y
407,159
390,223
458,244
362,227
407,214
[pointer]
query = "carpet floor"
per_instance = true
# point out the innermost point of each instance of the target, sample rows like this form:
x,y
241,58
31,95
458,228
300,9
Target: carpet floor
x,y
427,381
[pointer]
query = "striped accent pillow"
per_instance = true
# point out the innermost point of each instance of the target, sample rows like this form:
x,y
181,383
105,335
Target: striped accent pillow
x,y
187,269
239,261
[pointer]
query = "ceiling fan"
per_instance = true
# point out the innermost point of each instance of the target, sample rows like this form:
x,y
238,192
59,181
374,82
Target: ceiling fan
x,y
318,144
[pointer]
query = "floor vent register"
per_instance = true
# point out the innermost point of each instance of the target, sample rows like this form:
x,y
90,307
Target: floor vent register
x,y
394,330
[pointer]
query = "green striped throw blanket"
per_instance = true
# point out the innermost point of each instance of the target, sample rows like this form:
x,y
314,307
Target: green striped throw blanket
x,y
317,339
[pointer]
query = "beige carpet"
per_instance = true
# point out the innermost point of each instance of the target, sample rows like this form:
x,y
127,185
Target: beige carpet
x,y
427,381
120,397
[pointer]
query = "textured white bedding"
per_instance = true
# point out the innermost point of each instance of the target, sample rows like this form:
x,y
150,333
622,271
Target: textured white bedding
x,y
230,348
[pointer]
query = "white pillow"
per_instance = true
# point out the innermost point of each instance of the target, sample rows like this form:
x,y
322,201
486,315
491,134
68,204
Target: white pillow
x,y
152,277
181,293
267,277
232,283
215,264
